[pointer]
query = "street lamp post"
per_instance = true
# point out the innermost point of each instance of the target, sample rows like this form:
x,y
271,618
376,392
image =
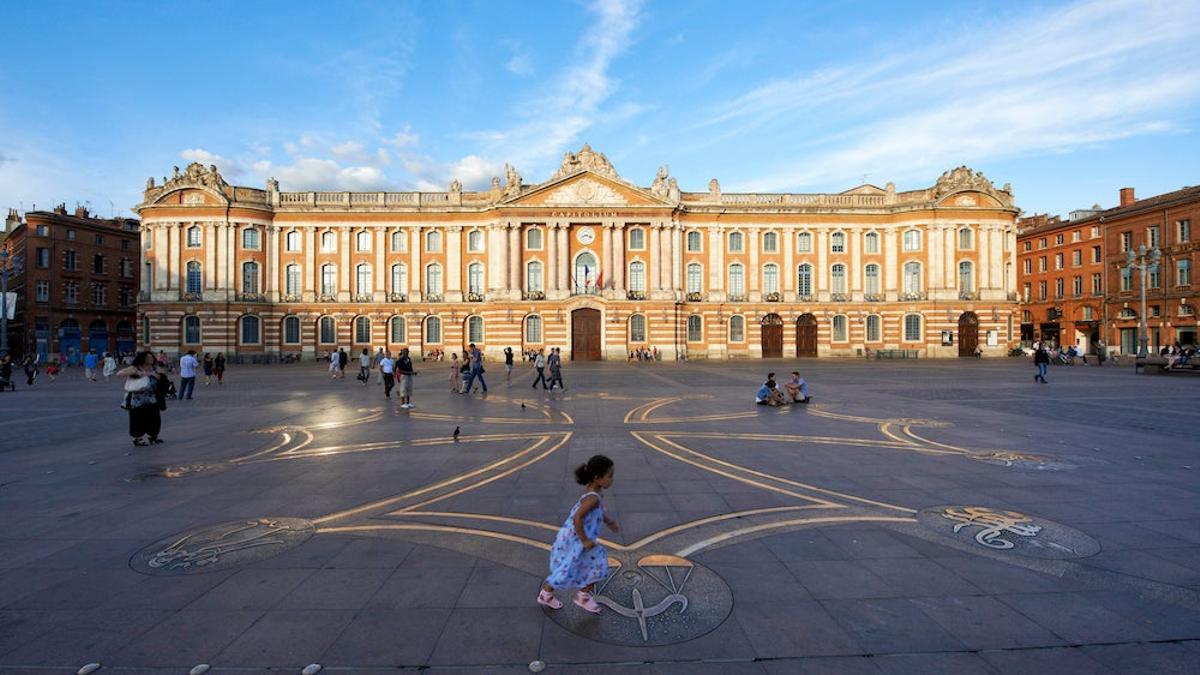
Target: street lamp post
x,y
1145,261
9,266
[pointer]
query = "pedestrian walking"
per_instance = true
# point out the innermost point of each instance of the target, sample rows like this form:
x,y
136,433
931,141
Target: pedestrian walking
x,y
477,370
555,365
110,366
164,364
208,368
539,364
376,360
30,365
90,361
405,366
387,369
343,360
364,366
1041,359
187,374
577,559
142,399
455,374
508,365
333,364
219,367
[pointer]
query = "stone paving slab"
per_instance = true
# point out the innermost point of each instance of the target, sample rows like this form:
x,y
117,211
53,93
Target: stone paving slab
x,y
421,558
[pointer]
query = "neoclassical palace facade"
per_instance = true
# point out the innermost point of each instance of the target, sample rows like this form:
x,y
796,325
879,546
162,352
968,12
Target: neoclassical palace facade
x,y
585,261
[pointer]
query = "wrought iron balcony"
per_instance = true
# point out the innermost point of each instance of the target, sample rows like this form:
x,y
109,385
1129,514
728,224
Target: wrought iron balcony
x,y
805,297
914,295
774,296
695,297
635,295
291,297
327,297
191,297
588,290
839,297
736,297
474,296
249,297
533,295
433,297
362,297
872,297
968,295
397,297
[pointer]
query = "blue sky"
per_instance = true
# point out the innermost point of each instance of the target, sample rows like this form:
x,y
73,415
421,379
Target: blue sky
x,y
1066,101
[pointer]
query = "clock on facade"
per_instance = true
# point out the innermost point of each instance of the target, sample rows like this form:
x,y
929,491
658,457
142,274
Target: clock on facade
x,y
585,235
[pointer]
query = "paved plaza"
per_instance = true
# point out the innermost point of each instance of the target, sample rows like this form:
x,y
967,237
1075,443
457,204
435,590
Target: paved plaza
x,y
917,517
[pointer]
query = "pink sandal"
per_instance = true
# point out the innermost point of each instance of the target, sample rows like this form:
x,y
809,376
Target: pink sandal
x,y
546,599
587,602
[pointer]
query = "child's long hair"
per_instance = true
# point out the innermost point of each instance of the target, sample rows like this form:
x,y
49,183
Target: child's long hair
x,y
595,467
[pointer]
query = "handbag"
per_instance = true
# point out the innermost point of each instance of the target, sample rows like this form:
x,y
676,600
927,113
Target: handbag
x,y
139,383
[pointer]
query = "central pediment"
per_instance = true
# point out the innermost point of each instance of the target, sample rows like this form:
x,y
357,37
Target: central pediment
x,y
586,189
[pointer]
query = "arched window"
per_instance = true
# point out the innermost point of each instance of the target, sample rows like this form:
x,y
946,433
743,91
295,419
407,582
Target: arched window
x,y
804,242
694,242
912,240
837,278
328,279
871,279
533,277
637,276
912,277
194,282
966,275
475,329
804,280
399,278
912,327
770,278
433,279
871,242
328,242
250,277
873,328
291,279
737,328
291,330
533,329
362,330
770,242
291,241
839,328
362,241
433,330
637,239
533,239
475,241
433,241
328,330
695,277
637,328
737,280
736,242
362,276
193,237
585,272
837,242
250,330
397,330
475,278
399,241
966,238
695,328
191,330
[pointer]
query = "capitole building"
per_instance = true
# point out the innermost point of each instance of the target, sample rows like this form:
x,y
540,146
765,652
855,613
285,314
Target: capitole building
x,y
585,261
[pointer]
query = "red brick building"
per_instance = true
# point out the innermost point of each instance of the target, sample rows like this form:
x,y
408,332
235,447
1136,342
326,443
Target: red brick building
x,y
1076,286
79,287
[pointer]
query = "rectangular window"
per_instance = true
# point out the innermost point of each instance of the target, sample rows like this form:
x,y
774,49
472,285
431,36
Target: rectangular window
x,y
70,235
250,239
124,244
1152,236
1028,266
1095,231
1058,261
1058,288
1126,279
1097,284
193,237
98,264
1076,236
912,240
637,239
43,257
99,295
1076,258
1077,286
1058,240
43,231
1155,311
149,241
1042,264
770,242
71,261
1042,242
694,242
43,291
1028,245
71,292
1153,277
1183,272
1184,230
912,328
1097,254
804,242
1041,290
1126,241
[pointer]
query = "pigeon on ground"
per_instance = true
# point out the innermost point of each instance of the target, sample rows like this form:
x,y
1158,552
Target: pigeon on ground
x,y
456,430
522,406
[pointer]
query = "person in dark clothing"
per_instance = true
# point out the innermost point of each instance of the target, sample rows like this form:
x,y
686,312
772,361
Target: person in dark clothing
x,y
1041,359
145,399
508,364
343,358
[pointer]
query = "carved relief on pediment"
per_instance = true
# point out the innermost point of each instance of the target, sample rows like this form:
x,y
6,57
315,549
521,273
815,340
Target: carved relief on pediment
x,y
586,192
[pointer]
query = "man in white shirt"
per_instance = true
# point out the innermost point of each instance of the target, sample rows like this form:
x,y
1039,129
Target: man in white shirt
x,y
387,368
187,374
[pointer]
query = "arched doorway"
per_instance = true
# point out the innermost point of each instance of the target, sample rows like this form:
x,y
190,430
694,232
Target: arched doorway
x,y
98,336
806,335
585,335
968,334
772,336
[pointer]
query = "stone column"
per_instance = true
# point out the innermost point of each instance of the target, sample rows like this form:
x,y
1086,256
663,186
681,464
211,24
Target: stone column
x,y
550,245
495,257
854,281
754,273
271,273
173,256
345,278
416,275
606,255
653,282
380,278
716,262
161,234
677,261
210,256
514,260
788,273
821,283
618,244
310,277
564,258
454,264
892,269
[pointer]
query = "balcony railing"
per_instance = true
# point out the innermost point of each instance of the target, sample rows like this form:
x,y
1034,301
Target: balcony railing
x,y
695,296
968,295
774,296
736,297
433,297
474,296
806,297
327,297
635,295
397,297
191,297
839,297
291,297
533,295
362,297
913,295
585,290
872,297
249,297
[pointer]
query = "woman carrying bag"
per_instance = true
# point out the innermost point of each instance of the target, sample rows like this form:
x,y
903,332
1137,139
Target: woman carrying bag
x,y
142,399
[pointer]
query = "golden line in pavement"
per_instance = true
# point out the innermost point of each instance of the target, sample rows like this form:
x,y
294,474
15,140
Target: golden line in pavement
x,y
438,528
726,536
714,519
330,450
953,448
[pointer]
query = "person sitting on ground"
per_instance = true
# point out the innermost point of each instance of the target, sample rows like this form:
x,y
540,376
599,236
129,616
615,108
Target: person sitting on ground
x,y
768,394
797,389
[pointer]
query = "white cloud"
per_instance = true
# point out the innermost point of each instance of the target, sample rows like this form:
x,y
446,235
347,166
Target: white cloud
x,y
405,138
311,173
227,167
1089,73
350,150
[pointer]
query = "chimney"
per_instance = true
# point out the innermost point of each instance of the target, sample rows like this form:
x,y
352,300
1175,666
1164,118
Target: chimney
x,y
81,211
1127,197
13,219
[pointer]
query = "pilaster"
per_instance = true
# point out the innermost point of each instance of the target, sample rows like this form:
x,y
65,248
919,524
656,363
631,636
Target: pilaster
x,y
344,274
454,264
416,274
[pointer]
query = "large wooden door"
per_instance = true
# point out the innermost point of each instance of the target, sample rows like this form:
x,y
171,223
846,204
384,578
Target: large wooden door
x,y
772,336
806,335
585,335
968,334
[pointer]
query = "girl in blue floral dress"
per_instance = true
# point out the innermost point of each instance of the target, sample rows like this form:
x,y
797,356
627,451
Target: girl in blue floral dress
x,y
577,560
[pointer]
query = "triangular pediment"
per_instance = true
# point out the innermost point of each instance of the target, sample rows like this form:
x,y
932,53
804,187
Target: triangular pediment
x,y
586,188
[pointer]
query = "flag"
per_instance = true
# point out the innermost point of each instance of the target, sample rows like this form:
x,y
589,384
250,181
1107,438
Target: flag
x,y
587,276
600,279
